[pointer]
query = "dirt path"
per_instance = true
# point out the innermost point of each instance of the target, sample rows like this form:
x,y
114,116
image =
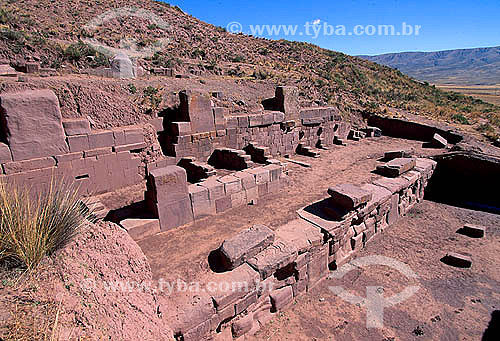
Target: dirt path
x,y
451,304
183,252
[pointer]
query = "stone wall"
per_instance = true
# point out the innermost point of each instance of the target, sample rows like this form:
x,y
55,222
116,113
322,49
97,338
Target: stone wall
x,y
282,264
38,145
176,203
184,134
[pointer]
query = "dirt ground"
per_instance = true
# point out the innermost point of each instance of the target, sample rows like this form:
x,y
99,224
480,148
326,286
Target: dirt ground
x,y
451,304
351,164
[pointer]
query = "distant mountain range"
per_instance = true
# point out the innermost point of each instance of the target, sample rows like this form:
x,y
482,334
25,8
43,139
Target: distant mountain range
x,y
480,66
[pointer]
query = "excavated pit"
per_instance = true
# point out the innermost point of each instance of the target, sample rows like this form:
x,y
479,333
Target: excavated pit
x,y
468,180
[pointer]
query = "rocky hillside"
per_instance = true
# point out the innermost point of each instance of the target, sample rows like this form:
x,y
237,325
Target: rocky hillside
x,y
52,32
479,66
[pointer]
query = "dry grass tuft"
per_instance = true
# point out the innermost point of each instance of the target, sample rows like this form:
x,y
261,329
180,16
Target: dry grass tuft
x,y
33,225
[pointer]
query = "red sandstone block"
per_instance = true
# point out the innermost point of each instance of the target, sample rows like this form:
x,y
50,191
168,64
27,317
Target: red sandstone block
x,y
169,184
255,120
457,260
180,128
393,214
130,147
473,231
263,190
232,122
196,107
252,194
23,166
231,183
233,286
281,298
118,137
141,228
238,199
78,143
98,152
243,121
133,135
274,172
202,206
33,120
157,123
242,326
215,189
223,204
274,187
357,242
68,157
220,122
101,139
267,118
261,174
222,315
197,333
174,213
245,302
318,266
5,154
247,179
76,126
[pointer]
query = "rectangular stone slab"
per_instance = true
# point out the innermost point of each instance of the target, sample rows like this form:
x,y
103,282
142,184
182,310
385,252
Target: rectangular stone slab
x,y
300,233
169,184
349,196
396,167
79,126
473,231
273,258
175,214
196,107
33,125
236,285
396,154
457,260
246,244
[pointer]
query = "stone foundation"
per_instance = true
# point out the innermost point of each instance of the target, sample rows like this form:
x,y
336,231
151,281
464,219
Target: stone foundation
x,y
277,266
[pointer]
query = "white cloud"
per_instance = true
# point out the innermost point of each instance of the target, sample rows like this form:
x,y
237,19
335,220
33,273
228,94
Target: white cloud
x,y
316,22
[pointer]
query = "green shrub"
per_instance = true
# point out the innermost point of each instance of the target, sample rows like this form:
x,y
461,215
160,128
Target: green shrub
x,y
15,36
132,89
261,74
238,59
5,16
459,118
197,53
263,51
35,225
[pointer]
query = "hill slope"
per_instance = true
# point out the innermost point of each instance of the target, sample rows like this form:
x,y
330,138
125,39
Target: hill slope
x,y
51,32
463,67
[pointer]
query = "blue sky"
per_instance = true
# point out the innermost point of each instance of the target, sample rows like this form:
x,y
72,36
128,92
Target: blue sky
x,y
444,24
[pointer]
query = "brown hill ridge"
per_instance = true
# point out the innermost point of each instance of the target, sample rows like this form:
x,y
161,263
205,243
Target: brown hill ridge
x,y
51,33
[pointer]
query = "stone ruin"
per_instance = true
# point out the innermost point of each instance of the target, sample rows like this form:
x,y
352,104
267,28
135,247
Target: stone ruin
x,y
213,162
121,67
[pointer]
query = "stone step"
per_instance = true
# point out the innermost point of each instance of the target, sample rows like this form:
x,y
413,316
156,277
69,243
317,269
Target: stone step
x,y
339,142
396,167
141,228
